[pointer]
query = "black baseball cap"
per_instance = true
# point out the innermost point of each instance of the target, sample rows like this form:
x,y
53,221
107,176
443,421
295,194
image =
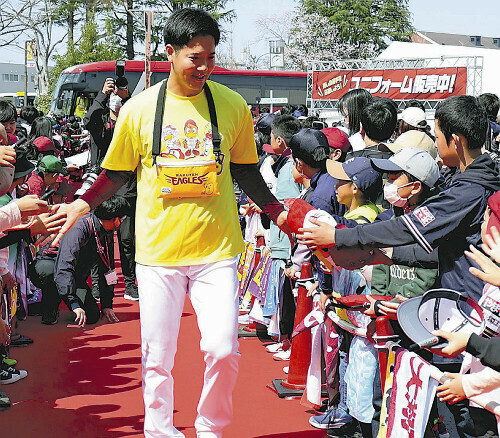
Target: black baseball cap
x,y
311,146
264,123
23,166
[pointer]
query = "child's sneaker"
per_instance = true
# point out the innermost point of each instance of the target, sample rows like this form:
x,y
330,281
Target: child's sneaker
x,y
334,418
282,355
21,373
274,348
7,378
8,361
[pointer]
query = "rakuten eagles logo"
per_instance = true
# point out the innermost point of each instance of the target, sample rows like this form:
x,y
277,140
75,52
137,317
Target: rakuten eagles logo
x,y
192,178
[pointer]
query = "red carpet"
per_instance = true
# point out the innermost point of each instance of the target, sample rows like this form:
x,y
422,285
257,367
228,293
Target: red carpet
x,y
87,383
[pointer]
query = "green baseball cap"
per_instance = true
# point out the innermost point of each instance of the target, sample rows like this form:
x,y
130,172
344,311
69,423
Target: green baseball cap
x,y
52,164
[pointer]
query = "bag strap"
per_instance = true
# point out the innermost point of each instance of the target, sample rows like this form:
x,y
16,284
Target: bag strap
x,y
216,140
160,108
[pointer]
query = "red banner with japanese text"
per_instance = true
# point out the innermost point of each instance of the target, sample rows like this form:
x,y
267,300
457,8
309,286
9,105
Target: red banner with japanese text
x,y
401,84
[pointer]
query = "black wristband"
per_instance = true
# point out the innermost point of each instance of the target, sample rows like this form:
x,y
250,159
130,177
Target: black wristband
x,y
376,309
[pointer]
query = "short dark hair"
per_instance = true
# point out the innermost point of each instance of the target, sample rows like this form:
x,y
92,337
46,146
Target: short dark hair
x,y
185,24
302,108
287,109
285,127
379,118
463,115
29,113
414,103
491,104
351,104
308,121
116,206
7,111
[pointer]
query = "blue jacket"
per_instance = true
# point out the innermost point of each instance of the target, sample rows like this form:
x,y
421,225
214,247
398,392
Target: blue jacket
x,y
286,187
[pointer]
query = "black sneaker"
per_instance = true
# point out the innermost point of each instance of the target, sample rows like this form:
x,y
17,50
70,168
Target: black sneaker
x,y
7,378
50,317
11,370
131,293
4,400
349,430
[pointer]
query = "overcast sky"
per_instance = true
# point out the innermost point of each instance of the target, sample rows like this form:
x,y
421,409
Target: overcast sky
x,y
448,16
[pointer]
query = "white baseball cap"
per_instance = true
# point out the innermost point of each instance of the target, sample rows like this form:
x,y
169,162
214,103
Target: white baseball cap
x,y
414,117
416,162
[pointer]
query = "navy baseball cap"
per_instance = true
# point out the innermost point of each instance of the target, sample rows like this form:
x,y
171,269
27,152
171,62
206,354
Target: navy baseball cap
x,y
310,146
359,170
264,123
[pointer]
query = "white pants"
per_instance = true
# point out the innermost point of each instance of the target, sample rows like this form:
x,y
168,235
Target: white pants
x,y
213,290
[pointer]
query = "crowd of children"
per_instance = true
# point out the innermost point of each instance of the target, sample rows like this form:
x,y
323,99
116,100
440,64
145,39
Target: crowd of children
x,y
427,197
417,195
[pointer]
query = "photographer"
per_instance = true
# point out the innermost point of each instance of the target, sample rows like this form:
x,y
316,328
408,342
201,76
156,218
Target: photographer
x,y
100,121
101,117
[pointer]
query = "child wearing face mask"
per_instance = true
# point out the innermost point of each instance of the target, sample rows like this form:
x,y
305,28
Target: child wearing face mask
x,y
412,178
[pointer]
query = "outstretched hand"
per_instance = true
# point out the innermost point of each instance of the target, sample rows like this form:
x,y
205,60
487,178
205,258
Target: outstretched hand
x,y
48,223
489,272
74,211
491,244
451,391
30,205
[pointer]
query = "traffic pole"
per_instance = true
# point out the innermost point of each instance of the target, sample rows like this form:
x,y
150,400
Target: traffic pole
x,y
300,356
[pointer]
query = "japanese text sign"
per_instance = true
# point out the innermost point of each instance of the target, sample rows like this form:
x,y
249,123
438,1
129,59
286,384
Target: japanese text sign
x,y
422,83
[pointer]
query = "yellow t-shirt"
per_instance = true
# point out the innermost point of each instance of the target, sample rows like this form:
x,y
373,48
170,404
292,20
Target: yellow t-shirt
x,y
185,231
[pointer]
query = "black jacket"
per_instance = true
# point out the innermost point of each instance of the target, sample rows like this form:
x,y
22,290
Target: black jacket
x,y
451,221
77,255
100,127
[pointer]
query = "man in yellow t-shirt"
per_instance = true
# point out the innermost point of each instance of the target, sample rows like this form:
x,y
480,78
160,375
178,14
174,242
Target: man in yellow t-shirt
x,y
185,245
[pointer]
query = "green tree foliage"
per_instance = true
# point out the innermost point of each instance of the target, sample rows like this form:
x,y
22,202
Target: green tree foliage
x,y
91,48
374,22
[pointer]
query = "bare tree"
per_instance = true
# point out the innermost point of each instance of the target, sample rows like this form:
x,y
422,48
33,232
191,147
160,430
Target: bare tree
x,y
36,19
275,27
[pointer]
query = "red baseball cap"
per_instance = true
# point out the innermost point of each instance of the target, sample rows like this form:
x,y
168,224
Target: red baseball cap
x,y
44,144
494,204
337,139
12,139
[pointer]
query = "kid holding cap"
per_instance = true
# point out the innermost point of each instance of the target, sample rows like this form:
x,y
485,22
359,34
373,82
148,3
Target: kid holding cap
x,y
450,221
482,379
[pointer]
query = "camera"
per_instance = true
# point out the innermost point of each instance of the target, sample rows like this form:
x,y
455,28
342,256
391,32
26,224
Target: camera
x,y
88,179
120,68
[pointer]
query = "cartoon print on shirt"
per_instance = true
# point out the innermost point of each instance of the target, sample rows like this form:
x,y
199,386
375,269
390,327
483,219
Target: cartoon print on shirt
x,y
170,135
191,142
207,140
197,142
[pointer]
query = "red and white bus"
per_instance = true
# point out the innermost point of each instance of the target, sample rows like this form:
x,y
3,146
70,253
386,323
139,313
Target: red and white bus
x,y
86,80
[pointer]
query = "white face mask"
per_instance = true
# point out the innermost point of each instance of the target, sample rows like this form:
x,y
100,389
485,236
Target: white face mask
x,y
115,103
392,196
